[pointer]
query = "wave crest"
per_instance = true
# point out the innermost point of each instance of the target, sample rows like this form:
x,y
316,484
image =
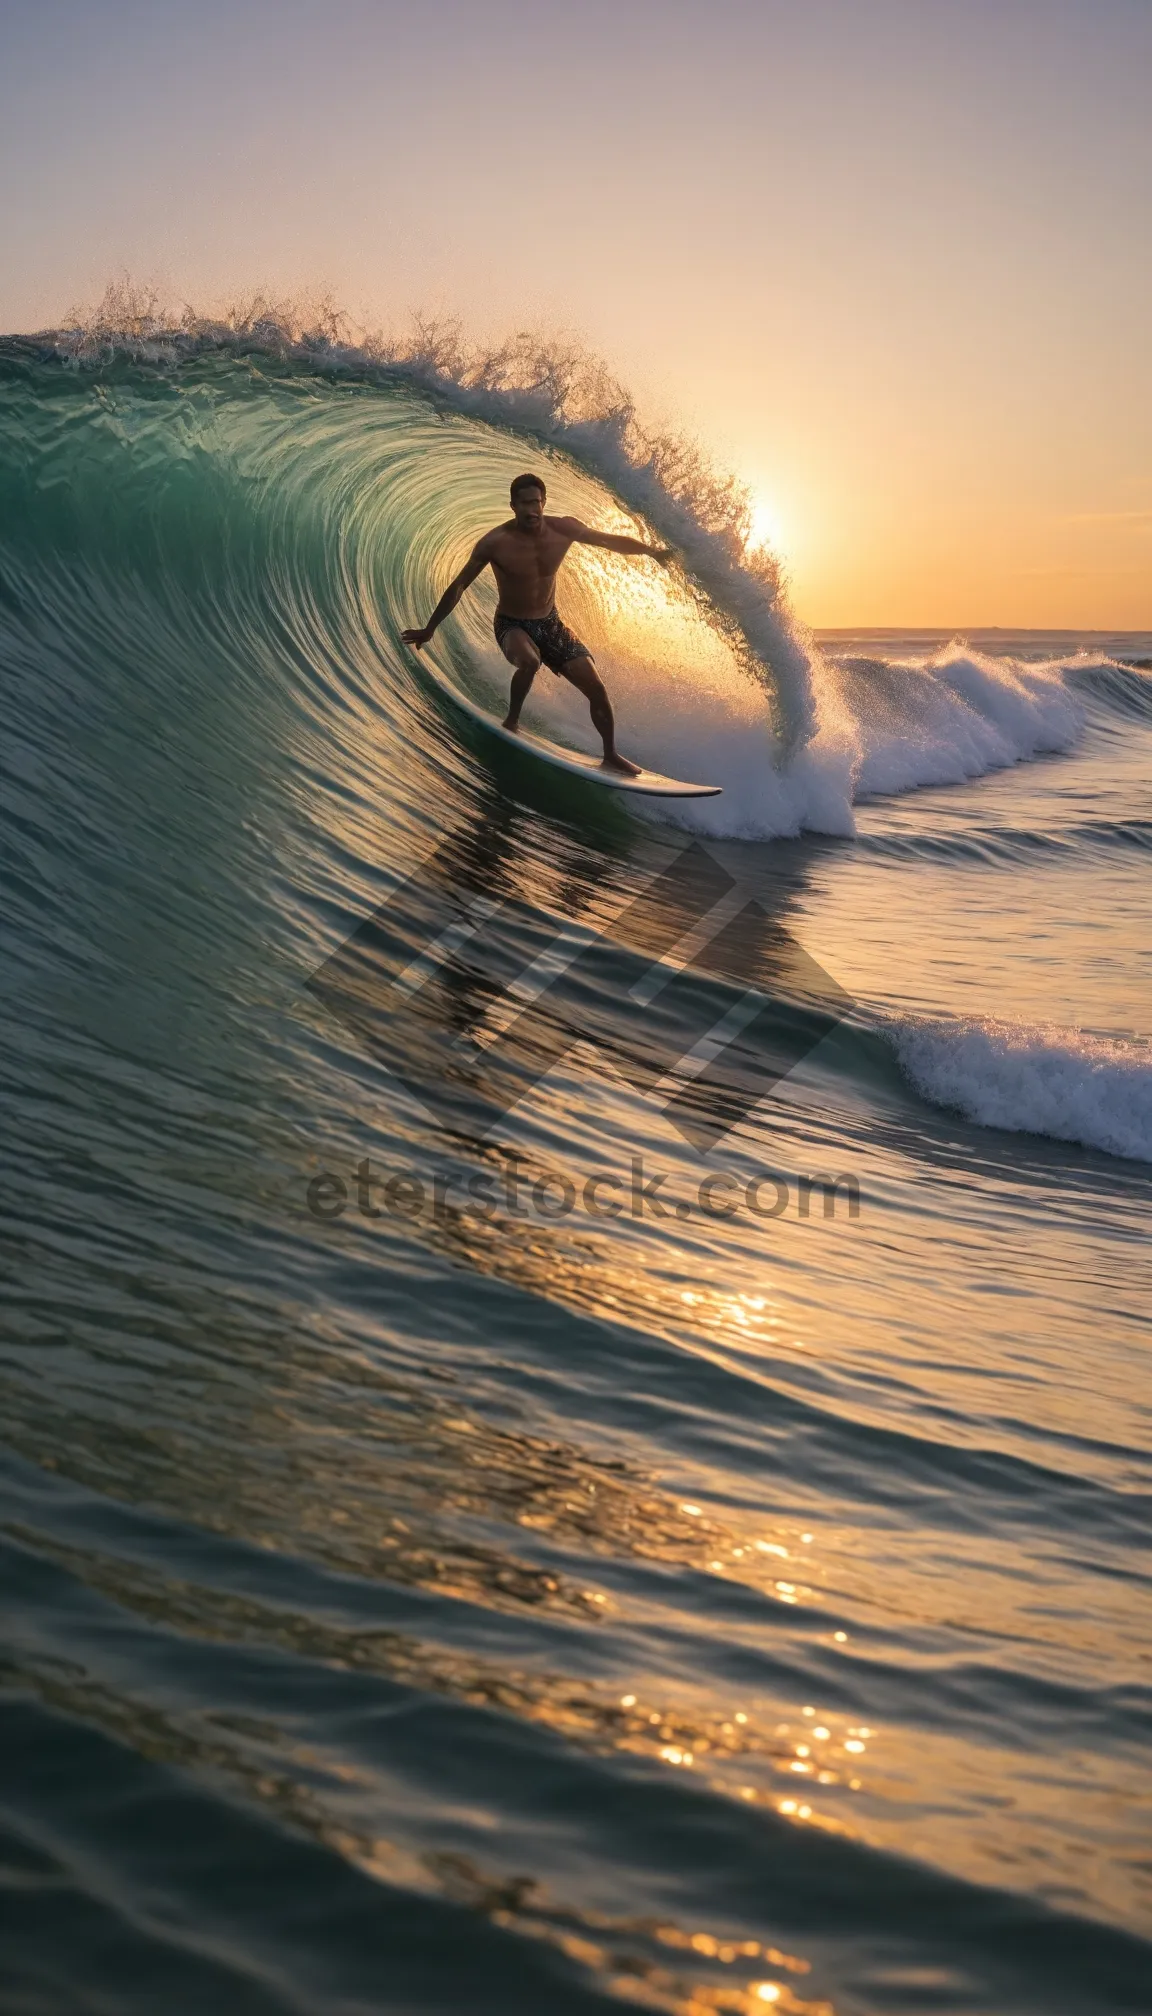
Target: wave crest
x,y
1033,1080
545,386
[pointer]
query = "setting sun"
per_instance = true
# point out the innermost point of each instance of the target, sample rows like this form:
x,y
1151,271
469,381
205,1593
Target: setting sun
x,y
767,526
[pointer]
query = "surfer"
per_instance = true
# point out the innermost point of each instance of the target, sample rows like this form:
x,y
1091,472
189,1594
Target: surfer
x,y
525,555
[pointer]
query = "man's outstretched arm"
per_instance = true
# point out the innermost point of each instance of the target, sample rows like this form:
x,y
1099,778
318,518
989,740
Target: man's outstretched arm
x,y
614,542
475,564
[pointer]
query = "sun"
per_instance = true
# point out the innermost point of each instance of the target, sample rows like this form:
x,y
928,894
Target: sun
x,y
767,526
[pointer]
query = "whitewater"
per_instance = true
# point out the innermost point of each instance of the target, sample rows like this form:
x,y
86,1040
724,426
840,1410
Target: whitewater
x,y
564,1607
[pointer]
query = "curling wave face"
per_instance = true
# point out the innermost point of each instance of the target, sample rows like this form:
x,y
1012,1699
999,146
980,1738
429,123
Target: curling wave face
x,y
249,517
299,490
725,1608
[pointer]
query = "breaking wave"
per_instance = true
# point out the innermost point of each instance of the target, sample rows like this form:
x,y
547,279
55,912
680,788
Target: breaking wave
x,y
1064,1083
351,475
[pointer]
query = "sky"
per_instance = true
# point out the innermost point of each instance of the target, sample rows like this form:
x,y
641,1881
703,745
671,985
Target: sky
x,y
889,260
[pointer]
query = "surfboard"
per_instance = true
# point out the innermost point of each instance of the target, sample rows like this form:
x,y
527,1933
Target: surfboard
x,y
648,784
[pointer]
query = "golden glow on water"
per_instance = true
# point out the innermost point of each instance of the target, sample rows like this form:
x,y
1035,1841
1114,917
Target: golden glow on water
x,y
398,1481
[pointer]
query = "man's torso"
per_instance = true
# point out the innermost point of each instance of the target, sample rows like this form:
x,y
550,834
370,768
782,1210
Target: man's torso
x,y
525,566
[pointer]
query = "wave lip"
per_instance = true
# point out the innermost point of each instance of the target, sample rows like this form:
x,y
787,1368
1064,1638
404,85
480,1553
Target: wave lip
x,y
1033,1079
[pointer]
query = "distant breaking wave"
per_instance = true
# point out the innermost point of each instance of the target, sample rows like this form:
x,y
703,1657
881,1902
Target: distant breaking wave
x,y
1043,1080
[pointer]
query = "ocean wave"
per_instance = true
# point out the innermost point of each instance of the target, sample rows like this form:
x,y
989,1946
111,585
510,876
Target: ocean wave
x,y
951,716
1009,846
385,1496
1117,688
1064,1083
795,737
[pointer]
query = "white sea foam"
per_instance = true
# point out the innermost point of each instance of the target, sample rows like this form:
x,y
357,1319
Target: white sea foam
x,y
953,715
879,726
1033,1080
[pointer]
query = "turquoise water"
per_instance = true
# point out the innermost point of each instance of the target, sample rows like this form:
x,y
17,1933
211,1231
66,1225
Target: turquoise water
x,y
483,1604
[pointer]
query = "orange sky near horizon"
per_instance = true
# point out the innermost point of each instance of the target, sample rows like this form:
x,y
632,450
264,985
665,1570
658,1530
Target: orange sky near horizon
x,y
886,259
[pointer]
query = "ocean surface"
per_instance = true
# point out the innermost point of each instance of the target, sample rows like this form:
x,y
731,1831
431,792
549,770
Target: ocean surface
x,y
573,1395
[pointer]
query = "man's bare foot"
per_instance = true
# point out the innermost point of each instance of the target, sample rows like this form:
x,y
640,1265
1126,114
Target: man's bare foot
x,y
620,763
513,726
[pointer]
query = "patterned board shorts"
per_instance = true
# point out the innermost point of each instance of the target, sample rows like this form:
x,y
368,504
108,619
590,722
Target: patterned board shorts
x,y
552,638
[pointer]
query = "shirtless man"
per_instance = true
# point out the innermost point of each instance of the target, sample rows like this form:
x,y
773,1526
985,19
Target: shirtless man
x,y
525,555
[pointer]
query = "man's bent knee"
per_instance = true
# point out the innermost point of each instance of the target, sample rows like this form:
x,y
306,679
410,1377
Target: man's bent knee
x,y
583,674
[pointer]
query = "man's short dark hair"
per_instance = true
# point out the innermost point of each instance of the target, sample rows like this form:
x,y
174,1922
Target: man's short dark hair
x,y
528,483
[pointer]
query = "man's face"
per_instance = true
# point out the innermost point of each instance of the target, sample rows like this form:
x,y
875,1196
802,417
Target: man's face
x,y
528,509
